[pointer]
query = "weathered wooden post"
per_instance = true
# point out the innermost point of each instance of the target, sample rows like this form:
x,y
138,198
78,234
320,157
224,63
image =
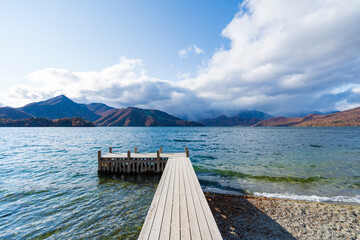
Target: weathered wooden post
x,y
160,149
128,161
136,163
110,149
186,152
157,162
99,161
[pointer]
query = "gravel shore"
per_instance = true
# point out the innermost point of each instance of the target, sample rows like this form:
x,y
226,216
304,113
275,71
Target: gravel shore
x,y
248,217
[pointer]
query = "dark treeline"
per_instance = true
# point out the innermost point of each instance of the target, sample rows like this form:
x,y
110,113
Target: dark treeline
x,y
44,122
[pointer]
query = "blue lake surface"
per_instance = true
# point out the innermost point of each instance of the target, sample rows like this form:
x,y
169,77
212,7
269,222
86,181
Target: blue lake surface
x,y
50,188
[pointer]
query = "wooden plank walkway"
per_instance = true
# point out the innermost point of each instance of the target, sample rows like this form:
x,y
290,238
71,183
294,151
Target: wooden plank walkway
x,y
179,209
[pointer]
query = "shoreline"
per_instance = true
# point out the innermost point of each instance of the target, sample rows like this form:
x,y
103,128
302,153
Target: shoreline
x,y
254,217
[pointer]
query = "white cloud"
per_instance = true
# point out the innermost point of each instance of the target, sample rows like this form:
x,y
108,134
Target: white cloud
x,y
183,53
345,105
283,52
356,90
125,82
198,50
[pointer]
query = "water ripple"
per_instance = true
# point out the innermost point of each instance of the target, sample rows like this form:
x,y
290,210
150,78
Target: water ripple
x,y
50,189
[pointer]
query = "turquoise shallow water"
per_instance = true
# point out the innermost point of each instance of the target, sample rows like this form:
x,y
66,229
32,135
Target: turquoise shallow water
x,y
49,186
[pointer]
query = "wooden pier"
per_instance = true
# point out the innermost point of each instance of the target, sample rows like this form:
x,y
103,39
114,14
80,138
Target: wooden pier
x,y
179,209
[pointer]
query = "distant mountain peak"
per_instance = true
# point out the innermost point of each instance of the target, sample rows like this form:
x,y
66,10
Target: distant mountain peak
x,y
58,99
61,96
52,101
60,107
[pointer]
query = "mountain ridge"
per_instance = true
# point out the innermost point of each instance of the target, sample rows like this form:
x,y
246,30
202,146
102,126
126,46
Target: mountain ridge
x,y
13,113
244,118
347,118
102,115
133,116
99,108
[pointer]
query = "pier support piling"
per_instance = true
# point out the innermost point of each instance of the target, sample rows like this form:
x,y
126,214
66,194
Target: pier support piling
x,y
128,162
99,161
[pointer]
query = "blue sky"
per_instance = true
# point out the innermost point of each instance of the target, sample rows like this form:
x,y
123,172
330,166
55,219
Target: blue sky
x,y
91,35
193,59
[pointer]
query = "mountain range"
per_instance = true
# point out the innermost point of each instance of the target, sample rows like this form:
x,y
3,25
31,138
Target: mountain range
x,y
61,107
100,114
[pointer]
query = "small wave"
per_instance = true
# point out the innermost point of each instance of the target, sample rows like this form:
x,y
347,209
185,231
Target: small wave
x,y
205,157
316,146
312,198
182,140
186,140
278,154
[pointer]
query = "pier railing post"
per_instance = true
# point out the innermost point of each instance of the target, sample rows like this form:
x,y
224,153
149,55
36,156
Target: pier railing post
x,y
99,161
157,162
128,161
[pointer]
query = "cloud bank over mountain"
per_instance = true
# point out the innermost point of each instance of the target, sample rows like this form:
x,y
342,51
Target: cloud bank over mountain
x,y
283,56
286,55
121,85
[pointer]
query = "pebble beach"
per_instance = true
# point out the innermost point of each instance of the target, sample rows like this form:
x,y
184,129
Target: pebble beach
x,y
249,217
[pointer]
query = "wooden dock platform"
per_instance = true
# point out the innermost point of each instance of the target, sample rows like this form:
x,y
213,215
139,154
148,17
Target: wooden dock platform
x,y
179,209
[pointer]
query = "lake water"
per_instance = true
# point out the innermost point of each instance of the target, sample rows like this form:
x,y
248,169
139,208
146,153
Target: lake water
x,y
49,186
